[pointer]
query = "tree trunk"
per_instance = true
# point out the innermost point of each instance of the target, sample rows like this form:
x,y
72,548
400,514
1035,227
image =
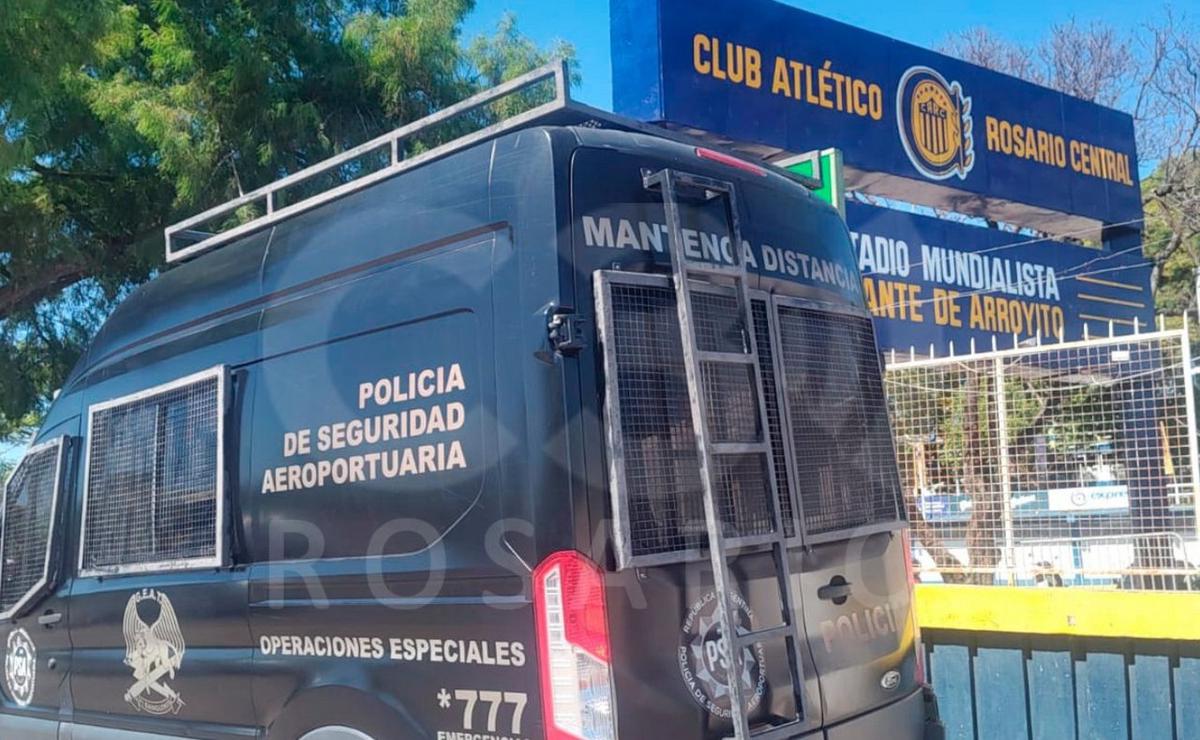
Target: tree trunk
x,y
982,553
923,531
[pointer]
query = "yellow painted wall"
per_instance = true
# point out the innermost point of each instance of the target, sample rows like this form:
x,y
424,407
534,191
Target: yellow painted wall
x,y
1154,615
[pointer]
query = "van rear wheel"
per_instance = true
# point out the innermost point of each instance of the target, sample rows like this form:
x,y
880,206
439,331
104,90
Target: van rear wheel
x,y
341,713
335,733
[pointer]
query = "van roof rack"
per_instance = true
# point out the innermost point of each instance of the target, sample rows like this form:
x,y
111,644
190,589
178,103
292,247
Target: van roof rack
x,y
191,237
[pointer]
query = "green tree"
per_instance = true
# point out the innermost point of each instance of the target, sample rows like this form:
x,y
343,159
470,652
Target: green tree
x,y
1172,231
1151,70
121,116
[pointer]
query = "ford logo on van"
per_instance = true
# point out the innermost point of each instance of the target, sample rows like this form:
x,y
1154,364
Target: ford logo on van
x,y
890,680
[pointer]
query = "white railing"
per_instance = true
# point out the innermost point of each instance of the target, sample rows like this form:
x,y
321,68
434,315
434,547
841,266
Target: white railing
x,y
1069,461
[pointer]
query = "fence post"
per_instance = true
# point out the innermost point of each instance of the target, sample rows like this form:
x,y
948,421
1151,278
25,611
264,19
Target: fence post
x,y
1189,395
1010,554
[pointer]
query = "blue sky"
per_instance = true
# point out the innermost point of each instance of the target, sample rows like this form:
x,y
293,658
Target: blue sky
x,y
585,23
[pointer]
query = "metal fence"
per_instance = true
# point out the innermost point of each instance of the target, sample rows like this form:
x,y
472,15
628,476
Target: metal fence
x,y
1064,464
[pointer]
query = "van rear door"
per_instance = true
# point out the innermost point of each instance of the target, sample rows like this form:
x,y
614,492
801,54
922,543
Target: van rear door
x,y
832,451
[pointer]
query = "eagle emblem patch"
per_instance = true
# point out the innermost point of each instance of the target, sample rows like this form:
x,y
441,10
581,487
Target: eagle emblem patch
x,y
154,649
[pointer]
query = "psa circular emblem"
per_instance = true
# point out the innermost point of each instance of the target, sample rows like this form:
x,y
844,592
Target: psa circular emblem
x,y
934,119
704,657
20,667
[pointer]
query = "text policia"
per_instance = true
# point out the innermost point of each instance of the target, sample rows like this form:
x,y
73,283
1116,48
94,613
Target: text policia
x,y
419,413
969,290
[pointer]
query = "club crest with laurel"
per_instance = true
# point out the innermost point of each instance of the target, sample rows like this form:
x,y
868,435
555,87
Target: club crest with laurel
x,y
934,119
154,648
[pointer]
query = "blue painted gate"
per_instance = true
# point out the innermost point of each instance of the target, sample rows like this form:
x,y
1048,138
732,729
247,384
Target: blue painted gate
x,y
1003,686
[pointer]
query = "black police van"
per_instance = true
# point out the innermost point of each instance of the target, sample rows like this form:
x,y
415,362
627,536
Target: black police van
x,y
568,428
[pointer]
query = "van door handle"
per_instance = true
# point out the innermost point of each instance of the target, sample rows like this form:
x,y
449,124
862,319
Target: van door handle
x,y
837,591
50,618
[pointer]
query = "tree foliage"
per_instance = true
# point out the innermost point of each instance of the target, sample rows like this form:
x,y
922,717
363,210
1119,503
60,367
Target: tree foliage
x,y
120,116
1092,61
1153,71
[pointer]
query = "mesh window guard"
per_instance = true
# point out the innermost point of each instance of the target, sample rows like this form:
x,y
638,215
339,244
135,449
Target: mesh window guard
x,y
836,412
841,436
30,507
766,355
153,498
652,445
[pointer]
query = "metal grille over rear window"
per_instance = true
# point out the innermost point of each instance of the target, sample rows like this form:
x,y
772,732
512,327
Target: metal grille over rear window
x,y
30,506
842,442
153,497
766,356
652,443
841,447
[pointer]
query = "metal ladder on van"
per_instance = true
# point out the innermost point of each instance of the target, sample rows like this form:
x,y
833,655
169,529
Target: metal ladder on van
x,y
684,270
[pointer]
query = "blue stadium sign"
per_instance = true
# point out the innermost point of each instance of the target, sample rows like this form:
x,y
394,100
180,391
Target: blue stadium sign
x,y
913,124
930,280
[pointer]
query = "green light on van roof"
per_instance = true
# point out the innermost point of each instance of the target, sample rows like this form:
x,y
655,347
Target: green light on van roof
x,y
824,165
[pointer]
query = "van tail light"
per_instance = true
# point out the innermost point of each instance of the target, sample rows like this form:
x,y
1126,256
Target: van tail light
x,y
910,571
574,657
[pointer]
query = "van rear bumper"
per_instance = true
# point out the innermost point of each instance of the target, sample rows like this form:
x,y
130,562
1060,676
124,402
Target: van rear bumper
x,y
914,717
